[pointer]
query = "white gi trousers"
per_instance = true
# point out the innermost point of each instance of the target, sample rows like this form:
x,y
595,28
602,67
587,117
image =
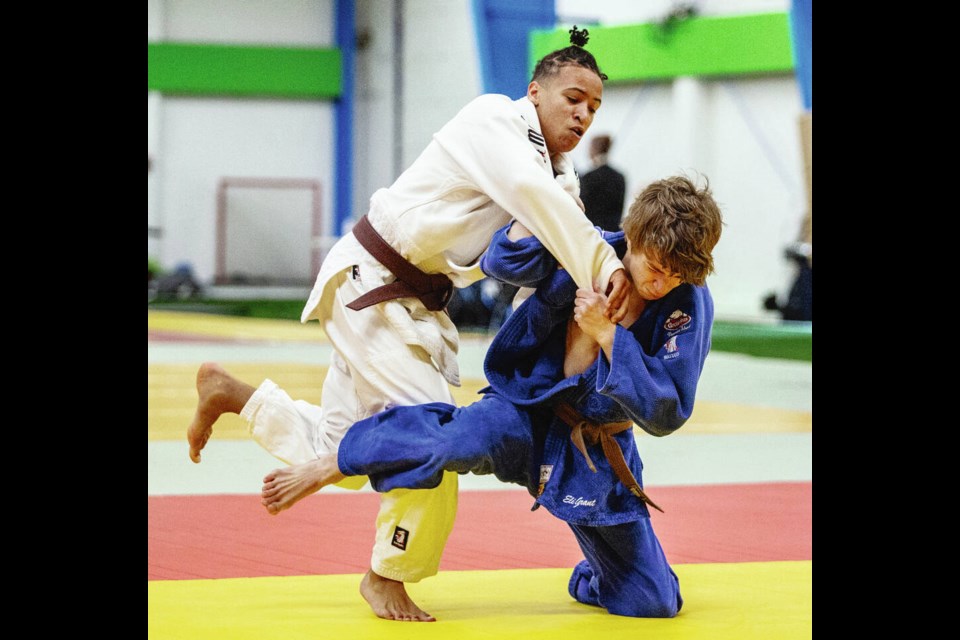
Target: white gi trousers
x,y
371,369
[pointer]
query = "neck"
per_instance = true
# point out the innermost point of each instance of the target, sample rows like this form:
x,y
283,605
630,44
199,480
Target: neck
x,y
635,307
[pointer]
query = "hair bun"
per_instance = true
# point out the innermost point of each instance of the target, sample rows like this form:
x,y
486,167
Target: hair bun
x,y
579,37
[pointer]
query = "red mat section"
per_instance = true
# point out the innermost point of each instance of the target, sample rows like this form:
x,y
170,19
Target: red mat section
x,y
232,536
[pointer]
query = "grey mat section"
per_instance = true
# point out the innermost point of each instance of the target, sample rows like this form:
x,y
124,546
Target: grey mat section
x,y
678,459
239,466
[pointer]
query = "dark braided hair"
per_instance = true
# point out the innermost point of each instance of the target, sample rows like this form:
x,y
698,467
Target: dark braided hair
x,y
550,64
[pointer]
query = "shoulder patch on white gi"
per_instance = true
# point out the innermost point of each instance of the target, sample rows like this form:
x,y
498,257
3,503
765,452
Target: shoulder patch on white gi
x,y
539,143
400,537
545,471
677,320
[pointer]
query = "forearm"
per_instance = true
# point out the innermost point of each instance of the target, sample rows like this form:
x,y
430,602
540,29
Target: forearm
x,y
517,231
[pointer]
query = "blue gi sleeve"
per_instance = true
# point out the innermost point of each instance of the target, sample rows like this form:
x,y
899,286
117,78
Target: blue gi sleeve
x,y
524,262
655,369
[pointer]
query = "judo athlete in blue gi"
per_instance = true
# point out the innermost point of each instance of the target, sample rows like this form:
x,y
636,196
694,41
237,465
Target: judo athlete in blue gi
x,y
565,388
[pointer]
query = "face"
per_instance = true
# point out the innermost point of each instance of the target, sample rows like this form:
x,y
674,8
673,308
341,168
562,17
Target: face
x,y
650,279
566,104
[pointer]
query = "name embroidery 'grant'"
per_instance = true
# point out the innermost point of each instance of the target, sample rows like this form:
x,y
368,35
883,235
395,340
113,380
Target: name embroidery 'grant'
x,y
579,502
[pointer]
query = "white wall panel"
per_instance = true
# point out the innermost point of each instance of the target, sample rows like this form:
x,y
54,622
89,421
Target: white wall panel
x,y
740,132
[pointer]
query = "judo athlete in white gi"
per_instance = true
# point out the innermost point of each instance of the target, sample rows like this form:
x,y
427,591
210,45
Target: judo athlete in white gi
x,y
498,159
566,387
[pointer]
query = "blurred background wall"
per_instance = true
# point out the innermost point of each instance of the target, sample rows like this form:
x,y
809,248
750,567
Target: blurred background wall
x,y
413,64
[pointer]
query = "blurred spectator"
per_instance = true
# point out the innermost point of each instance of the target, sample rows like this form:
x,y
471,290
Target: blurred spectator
x,y
603,188
799,302
180,284
485,305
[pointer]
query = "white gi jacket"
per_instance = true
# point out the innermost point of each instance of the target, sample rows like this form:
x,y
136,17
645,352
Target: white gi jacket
x,y
487,165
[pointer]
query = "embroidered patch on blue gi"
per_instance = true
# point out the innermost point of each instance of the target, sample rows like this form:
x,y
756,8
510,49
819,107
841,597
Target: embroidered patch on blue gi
x,y
673,351
400,537
545,471
677,320
579,502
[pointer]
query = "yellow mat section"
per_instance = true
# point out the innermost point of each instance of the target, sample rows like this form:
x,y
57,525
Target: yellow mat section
x,y
172,400
235,328
748,601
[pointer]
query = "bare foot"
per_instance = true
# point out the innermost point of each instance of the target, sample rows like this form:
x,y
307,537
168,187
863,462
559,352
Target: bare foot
x,y
283,488
389,600
219,393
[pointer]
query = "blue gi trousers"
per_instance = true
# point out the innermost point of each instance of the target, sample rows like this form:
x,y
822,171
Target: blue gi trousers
x,y
625,570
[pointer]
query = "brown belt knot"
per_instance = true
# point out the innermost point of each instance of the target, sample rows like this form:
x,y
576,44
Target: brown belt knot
x,y
432,289
583,432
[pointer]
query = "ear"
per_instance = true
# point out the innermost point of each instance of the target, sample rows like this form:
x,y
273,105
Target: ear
x,y
533,93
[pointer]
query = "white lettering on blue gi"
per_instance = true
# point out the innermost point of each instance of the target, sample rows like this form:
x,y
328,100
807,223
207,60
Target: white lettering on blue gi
x,y
579,502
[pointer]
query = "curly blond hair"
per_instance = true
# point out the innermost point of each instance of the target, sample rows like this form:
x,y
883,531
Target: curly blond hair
x,y
677,223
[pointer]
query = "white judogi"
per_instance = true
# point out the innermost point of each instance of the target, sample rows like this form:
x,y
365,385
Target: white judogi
x,y
486,166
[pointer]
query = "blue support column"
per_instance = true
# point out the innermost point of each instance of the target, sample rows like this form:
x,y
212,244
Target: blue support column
x,y
801,23
503,39
343,111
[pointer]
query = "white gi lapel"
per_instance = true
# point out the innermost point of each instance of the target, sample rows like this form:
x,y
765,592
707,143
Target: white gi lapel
x,y
563,168
567,175
529,114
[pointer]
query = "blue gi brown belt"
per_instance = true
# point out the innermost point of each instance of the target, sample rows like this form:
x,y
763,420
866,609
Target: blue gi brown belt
x,y
432,289
584,432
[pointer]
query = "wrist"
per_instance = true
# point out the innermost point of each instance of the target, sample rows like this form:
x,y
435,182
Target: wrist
x,y
606,335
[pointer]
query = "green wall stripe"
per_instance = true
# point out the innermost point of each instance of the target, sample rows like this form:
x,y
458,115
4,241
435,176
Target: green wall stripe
x,y
232,70
723,46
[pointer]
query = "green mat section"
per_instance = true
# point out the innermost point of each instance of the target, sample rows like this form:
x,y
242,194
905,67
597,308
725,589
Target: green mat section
x,y
270,309
789,340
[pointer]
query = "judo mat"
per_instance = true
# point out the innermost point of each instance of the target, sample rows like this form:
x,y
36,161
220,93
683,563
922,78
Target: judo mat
x,y
735,483
509,603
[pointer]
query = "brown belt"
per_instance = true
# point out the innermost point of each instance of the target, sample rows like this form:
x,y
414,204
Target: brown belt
x,y
584,432
432,289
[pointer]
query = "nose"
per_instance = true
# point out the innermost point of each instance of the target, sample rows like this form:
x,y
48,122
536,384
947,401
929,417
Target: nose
x,y
658,283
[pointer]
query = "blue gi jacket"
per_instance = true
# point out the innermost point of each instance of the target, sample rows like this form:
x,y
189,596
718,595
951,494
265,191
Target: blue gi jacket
x,y
651,379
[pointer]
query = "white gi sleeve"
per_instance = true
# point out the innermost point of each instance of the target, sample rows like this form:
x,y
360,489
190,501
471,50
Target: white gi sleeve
x,y
489,141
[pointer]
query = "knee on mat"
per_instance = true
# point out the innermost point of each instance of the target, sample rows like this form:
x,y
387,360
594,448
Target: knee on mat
x,y
583,588
579,586
666,607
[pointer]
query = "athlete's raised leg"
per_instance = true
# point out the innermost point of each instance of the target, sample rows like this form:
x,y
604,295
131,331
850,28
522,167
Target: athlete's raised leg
x,y
219,393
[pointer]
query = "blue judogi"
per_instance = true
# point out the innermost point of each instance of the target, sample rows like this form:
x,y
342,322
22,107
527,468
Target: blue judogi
x,y
513,433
